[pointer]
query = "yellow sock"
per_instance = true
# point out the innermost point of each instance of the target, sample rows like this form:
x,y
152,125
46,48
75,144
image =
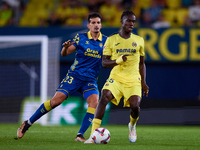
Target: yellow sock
x,y
91,110
133,121
47,105
96,124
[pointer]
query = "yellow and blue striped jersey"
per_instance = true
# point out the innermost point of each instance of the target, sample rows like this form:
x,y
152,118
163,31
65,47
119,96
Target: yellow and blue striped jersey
x,y
88,57
116,46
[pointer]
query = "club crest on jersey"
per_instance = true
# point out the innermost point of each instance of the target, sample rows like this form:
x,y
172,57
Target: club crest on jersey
x,y
86,42
134,44
104,47
101,45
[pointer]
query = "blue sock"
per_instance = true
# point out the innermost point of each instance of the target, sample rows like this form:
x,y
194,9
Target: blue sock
x,y
87,120
39,113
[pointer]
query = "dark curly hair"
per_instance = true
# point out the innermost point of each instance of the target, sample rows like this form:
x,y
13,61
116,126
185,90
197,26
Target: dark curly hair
x,y
126,13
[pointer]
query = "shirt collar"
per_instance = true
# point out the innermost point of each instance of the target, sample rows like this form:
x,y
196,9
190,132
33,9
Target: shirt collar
x,y
90,37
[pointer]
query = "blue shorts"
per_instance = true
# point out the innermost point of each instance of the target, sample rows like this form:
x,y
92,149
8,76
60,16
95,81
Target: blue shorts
x,y
70,84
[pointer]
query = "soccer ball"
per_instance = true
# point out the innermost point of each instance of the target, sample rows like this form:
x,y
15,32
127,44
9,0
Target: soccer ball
x,y
101,136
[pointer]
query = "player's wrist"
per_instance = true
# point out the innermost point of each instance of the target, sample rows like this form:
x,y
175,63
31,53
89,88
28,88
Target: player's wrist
x,y
119,60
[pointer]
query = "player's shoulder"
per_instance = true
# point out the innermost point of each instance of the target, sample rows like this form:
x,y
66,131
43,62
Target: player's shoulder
x,y
82,34
104,37
137,36
114,34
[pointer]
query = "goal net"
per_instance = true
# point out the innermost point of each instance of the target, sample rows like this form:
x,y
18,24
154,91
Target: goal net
x,y
29,71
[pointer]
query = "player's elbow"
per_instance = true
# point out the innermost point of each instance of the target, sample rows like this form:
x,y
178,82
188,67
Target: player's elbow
x,y
104,64
63,52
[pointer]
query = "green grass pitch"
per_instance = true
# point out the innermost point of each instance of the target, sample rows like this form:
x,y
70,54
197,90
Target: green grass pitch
x,y
62,138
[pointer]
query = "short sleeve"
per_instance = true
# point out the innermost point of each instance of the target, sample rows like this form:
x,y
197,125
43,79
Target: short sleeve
x,y
76,40
142,53
107,49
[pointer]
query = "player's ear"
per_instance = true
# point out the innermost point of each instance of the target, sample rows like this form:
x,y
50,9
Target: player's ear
x,y
88,25
121,21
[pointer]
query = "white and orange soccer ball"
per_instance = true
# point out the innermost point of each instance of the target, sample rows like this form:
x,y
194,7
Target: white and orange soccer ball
x,y
101,136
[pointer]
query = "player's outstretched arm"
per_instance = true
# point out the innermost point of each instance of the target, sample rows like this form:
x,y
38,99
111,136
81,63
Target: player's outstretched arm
x,y
142,68
68,48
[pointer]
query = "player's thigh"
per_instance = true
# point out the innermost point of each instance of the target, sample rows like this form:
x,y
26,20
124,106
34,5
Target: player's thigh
x,y
111,91
132,94
106,95
69,85
57,99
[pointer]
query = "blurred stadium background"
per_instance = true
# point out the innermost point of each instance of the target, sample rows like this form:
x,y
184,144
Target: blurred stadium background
x,y
172,44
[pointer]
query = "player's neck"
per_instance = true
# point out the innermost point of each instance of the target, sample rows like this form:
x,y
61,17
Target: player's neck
x,y
94,35
125,34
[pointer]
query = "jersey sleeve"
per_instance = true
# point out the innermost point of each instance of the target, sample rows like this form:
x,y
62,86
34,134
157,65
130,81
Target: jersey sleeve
x,y
142,53
107,48
76,40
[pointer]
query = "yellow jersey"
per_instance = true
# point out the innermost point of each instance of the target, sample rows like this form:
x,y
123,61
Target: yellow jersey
x,y
115,46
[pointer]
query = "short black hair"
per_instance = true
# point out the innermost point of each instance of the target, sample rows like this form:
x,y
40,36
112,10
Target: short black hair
x,y
126,13
93,15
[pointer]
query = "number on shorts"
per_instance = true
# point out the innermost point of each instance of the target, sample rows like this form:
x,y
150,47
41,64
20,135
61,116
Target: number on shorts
x,y
68,79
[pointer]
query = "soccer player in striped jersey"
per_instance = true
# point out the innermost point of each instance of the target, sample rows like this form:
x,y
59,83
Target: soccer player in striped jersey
x,y
124,51
81,77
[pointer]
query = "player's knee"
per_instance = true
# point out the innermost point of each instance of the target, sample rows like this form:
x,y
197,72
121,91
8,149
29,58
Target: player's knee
x,y
96,103
93,104
58,98
135,111
55,102
104,100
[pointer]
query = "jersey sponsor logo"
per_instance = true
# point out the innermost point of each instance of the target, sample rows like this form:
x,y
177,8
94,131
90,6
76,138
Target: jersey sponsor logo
x,y
117,44
134,44
122,51
92,53
86,42
91,84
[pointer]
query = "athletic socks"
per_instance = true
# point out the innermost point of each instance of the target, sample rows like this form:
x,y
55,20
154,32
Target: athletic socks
x,y
96,124
87,120
133,121
43,109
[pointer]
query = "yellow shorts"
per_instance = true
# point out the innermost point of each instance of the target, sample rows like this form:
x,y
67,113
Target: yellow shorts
x,y
120,90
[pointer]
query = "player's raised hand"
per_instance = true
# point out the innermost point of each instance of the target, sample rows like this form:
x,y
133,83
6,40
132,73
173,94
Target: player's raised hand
x,y
68,48
67,43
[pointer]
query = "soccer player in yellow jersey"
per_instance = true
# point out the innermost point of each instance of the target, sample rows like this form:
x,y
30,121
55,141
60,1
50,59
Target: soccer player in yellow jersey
x,y
124,51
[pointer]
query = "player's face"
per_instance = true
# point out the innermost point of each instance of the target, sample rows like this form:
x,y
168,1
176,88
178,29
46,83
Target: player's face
x,y
94,25
128,23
